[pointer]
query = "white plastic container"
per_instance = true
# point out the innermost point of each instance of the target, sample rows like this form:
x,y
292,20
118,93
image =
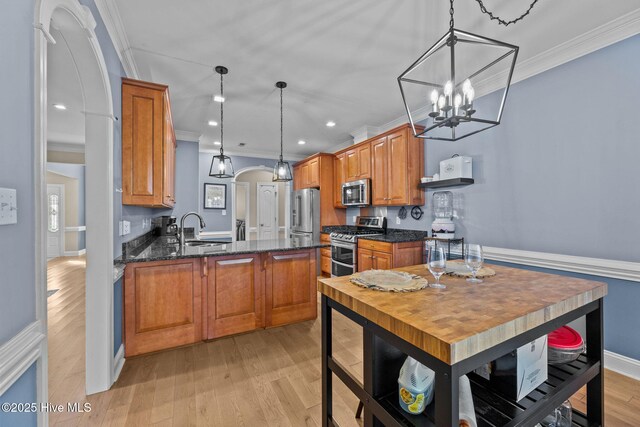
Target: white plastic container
x,y
415,386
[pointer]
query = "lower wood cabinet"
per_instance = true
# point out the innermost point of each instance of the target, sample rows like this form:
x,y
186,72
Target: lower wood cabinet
x,y
373,255
325,256
163,305
235,295
291,294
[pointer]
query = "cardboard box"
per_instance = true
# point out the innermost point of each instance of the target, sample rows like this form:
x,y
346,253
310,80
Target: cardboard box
x,y
520,372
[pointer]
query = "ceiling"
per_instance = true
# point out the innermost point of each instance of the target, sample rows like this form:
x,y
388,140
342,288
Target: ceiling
x,y
340,58
65,129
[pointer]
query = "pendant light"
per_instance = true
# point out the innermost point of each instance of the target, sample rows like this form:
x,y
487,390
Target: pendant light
x,y
282,170
439,89
221,166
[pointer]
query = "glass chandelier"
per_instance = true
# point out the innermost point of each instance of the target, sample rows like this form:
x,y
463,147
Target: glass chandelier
x,y
282,170
447,77
221,166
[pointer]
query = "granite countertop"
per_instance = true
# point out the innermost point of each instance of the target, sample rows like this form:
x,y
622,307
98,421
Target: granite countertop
x,y
163,248
395,235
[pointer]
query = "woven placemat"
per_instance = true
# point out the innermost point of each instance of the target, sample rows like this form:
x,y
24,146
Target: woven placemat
x,y
389,281
458,269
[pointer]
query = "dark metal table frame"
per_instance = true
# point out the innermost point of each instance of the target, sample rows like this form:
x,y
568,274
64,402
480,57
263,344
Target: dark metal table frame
x,y
381,367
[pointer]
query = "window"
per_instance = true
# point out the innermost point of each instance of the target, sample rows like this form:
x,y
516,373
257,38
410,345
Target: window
x,y
54,213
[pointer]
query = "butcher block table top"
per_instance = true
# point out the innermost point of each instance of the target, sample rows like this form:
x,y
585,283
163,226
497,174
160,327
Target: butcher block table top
x,y
465,319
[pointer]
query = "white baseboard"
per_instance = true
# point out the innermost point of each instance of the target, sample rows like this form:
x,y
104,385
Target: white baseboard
x,y
19,353
75,253
622,364
593,266
118,363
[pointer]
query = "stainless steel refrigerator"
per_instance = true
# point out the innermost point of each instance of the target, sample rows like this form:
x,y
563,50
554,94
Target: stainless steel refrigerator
x,y
305,215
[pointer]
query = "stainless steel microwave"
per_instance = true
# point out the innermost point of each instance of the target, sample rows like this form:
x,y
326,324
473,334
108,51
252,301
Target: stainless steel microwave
x,y
356,193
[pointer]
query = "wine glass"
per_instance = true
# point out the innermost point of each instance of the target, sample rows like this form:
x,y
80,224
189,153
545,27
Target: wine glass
x,y
473,259
437,263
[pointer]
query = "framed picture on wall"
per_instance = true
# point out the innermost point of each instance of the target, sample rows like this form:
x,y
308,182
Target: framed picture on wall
x,y
215,196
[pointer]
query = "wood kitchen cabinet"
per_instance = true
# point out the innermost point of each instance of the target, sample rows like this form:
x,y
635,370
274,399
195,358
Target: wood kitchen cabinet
x,y
358,162
148,145
291,294
325,256
317,171
374,255
338,179
162,305
398,165
235,295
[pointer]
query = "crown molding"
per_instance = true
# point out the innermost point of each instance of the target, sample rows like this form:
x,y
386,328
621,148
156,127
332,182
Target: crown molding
x,y
187,135
108,10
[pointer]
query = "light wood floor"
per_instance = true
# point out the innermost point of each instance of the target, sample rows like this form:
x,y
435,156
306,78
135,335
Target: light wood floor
x,y
265,378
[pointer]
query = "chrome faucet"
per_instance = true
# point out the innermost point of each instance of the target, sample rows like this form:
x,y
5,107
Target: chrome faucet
x,y
181,235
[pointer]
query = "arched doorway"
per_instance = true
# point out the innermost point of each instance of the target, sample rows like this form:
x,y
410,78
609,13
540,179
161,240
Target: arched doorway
x,y
80,36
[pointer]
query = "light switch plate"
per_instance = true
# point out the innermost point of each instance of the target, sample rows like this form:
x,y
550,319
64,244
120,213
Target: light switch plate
x,y
224,212
8,206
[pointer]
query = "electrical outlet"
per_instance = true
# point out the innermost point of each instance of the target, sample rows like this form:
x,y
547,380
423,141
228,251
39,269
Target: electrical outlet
x,y
8,206
124,227
398,220
224,212
353,219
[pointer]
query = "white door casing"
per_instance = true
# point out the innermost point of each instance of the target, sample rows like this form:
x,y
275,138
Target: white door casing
x,y
55,220
267,213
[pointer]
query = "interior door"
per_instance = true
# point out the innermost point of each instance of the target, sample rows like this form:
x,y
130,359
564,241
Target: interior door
x,y
55,220
267,211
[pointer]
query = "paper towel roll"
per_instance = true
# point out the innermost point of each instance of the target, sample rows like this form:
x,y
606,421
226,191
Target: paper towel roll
x,y
465,402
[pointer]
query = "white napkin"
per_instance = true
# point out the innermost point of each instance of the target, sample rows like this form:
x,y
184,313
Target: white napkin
x,y
465,402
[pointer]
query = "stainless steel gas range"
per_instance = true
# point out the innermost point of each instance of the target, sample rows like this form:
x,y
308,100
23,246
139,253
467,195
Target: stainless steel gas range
x,y
344,244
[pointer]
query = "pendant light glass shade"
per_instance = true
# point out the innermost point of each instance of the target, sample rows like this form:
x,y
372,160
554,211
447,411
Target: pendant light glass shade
x,y
282,170
221,165
439,89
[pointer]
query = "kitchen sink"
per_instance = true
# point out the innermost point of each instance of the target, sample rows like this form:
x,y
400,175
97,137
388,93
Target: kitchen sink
x,y
201,243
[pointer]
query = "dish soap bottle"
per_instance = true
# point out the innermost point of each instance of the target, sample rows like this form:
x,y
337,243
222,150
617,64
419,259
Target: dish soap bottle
x,y
415,386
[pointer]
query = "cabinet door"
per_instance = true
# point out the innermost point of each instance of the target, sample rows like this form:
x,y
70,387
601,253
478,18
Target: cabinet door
x,y
382,260
380,173
304,175
235,295
297,177
142,145
353,165
162,305
339,174
364,161
410,253
169,161
314,173
291,294
365,259
398,169
325,265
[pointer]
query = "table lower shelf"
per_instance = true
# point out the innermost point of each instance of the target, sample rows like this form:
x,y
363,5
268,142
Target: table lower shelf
x,y
493,409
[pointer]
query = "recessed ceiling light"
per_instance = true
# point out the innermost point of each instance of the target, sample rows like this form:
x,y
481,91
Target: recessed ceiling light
x,y
216,142
218,98
301,142
331,124
60,106
213,123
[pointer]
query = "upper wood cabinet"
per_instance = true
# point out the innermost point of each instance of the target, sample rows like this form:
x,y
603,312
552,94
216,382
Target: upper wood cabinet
x,y
235,295
338,180
148,145
162,305
358,162
317,171
398,165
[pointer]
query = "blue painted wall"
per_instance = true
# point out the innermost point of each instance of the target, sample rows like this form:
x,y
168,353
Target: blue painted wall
x,y
558,175
187,189
22,391
213,217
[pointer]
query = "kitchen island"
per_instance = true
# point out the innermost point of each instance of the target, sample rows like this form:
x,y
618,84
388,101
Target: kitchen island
x,y
456,330
177,295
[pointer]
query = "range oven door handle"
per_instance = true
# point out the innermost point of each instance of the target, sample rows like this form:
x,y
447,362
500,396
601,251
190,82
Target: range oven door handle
x,y
342,264
344,245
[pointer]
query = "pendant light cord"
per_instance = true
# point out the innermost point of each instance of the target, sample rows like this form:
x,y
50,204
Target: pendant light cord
x,y
281,126
497,18
451,15
221,116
